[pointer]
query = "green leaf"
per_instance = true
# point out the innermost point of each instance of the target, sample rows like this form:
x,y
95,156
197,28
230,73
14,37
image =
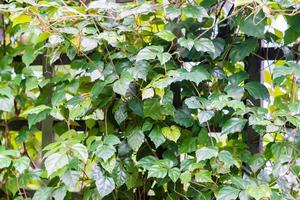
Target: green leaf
x,y
105,152
241,51
186,43
233,125
206,153
122,85
183,118
193,102
88,44
36,110
4,161
157,171
166,35
21,164
226,158
71,179
258,192
219,44
156,136
147,93
186,177
136,139
172,133
291,35
228,193
140,69
254,25
111,140
136,105
6,104
193,11
149,53
203,176
235,91
55,162
119,174
204,45
109,164
43,193
153,109
204,116
174,174
97,89
60,193
172,12
120,113
105,185
35,118
257,90
80,151
12,185
197,75
29,56
164,57
147,161
188,145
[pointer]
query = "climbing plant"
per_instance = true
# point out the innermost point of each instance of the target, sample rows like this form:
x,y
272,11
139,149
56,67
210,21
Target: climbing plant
x,y
153,100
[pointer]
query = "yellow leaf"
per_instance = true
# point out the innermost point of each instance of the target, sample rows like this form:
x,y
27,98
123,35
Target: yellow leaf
x,y
75,42
159,92
171,133
267,77
43,36
21,19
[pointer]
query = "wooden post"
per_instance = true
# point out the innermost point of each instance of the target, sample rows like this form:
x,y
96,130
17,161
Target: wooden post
x,y
253,67
47,90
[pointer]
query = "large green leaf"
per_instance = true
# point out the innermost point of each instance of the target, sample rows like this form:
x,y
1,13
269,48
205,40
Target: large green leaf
x,y
233,125
55,162
206,153
149,53
204,116
172,12
44,193
241,51
105,185
183,118
21,164
136,139
4,161
166,35
153,109
254,25
186,43
122,85
228,193
258,192
226,158
60,193
174,174
257,90
80,151
164,57
105,152
204,45
156,136
203,176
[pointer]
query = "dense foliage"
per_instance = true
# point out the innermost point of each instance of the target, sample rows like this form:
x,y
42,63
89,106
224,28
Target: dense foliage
x,y
155,104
